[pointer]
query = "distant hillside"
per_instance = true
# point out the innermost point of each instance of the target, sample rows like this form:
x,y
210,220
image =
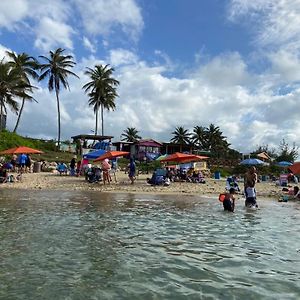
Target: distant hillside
x,y
10,140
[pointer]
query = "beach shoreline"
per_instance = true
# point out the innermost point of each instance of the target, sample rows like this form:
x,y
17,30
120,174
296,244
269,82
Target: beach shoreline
x,y
54,181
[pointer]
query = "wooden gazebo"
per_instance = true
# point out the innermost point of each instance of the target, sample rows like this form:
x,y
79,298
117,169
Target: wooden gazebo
x,y
81,140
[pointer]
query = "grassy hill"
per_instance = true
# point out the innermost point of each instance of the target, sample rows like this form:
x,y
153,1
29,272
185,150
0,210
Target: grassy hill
x,y
10,140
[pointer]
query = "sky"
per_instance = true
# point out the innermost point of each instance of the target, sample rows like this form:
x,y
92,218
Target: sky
x,y
233,63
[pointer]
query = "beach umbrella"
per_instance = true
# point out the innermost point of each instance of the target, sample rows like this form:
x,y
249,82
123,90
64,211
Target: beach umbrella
x,y
295,168
178,157
111,154
195,158
252,162
93,154
21,150
161,157
284,164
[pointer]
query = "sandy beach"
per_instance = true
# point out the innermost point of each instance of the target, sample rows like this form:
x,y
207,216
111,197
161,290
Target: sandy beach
x,y
54,181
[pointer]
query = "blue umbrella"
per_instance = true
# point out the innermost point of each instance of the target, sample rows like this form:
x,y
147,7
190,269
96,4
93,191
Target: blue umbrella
x,y
252,161
284,164
94,154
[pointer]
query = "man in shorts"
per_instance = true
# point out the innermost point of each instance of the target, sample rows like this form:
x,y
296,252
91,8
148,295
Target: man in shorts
x,y
249,185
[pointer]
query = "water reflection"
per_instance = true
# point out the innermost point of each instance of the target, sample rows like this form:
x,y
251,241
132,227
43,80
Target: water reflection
x,y
103,246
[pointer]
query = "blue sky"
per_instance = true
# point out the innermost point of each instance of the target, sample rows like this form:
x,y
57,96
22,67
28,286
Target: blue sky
x,y
233,63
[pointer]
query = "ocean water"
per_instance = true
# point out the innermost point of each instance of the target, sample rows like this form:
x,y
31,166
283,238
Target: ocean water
x,y
80,245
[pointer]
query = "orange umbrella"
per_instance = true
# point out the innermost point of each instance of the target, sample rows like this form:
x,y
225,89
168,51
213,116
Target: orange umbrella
x,y
195,158
295,168
178,157
20,150
111,154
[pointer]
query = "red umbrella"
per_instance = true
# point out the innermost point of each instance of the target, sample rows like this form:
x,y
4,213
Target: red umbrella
x,y
111,154
195,158
295,168
20,150
179,157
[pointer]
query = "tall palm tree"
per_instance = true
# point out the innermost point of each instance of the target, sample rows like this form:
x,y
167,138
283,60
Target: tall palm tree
x,y
199,136
130,134
101,91
181,136
12,86
57,68
26,66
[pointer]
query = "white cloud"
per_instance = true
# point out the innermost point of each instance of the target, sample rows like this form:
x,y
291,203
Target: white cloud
x,y
89,45
12,11
121,56
275,22
102,17
3,50
50,34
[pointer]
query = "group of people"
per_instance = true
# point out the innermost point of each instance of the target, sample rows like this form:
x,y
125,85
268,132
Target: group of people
x,y
250,180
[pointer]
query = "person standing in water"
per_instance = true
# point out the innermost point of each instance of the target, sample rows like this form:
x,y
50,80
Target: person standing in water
x,y
229,201
132,170
249,187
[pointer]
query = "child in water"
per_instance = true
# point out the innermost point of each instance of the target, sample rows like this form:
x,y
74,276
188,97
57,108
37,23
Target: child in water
x,y
229,201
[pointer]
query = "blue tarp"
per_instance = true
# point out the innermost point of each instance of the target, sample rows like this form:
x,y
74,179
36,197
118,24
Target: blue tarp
x,y
94,154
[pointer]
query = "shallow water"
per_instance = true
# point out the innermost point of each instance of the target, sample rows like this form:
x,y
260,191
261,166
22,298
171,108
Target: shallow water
x,y
79,245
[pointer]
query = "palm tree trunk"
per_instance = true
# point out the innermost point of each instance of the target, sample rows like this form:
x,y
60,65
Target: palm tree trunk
x,y
96,126
58,118
102,121
1,116
19,115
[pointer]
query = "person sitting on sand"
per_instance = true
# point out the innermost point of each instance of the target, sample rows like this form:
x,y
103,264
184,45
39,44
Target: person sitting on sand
x,y
229,201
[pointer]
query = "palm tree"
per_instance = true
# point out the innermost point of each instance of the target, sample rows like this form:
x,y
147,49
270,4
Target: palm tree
x,y
199,136
26,66
11,86
101,91
57,68
181,136
130,134
216,142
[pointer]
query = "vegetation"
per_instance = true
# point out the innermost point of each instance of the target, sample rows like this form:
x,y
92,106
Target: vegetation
x,y
101,91
57,69
130,134
181,136
25,66
12,86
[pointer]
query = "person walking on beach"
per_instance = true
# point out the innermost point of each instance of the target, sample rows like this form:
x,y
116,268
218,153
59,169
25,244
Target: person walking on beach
x,y
72,166
132,170
249,186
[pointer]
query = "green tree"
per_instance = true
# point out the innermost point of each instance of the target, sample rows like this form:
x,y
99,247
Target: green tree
x,y
101,91
11,87
216,143
57,69
199,137
130,134
287,153
181,136
26,66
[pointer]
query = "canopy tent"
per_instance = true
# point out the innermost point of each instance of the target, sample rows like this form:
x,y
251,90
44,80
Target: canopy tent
x,y
93,154
111,154
21,150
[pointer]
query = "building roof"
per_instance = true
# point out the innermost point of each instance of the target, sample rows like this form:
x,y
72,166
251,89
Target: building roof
x,y
149,143
92,137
